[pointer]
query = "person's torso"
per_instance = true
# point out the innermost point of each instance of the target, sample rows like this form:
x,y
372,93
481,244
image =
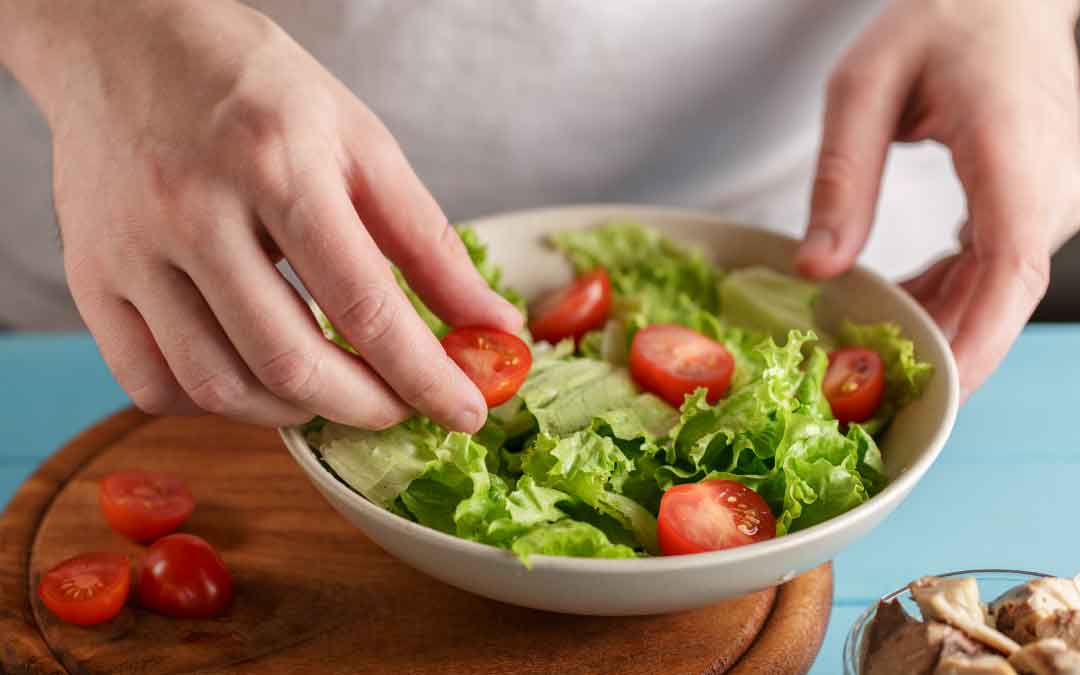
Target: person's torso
x,y
499,106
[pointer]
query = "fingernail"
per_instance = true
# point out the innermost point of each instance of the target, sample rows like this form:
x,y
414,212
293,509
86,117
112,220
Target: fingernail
x,y
512,318
472,419
819,241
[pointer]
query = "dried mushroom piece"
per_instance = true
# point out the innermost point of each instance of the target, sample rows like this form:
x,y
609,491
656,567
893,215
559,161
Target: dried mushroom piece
x,y
896,644
1064,625
956,602
1046,657
1048,607
982,664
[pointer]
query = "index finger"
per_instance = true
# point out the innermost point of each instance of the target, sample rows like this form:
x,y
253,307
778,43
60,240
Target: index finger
x,y
412,230
321,235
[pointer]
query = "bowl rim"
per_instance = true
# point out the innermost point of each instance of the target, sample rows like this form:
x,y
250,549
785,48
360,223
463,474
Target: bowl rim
x,y
853,639
894,492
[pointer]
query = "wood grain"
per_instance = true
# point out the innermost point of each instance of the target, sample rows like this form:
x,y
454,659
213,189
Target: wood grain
x,y
790,640
23,649
314,595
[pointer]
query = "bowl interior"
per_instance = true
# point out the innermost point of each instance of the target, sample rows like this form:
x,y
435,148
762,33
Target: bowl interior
x,y
992,583
516,243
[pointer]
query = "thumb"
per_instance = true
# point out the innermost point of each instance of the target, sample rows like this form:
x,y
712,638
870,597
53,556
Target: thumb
x,y
863,107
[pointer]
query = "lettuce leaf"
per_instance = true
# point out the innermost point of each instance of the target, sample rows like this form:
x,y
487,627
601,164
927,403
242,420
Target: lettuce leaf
x,y
568,538
821,472
379,464
642,263
810,394
761,299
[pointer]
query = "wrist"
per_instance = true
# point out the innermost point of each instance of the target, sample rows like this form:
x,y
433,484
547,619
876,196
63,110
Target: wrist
x,y
38,46
51,46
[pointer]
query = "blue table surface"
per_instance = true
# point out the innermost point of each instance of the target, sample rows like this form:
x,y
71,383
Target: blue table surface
x,y
1000,495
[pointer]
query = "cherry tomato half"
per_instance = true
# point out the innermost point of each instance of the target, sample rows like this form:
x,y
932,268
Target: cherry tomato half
x,y
144,506
854,383
183,576
573,310
710,516
495,361
672,361
87,589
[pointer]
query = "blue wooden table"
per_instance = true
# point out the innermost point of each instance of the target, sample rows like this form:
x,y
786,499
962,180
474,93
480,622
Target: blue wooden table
x,y
1003,493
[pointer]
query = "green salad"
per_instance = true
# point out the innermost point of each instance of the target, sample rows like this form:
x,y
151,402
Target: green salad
x,y
577,462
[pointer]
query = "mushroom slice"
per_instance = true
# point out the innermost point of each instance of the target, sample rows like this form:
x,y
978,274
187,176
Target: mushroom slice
x,y
1048,607
897,644
981,664
956,602
1046,657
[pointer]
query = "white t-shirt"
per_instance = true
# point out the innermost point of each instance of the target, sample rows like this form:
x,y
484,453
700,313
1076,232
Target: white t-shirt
x,y
711,104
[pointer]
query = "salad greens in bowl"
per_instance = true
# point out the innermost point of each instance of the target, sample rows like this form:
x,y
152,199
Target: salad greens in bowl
x,y
683,420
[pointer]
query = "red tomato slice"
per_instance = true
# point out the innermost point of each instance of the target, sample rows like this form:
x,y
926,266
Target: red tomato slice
x,y
854,383
144,506
495,361
672,361
710,516
574,310
87,589
183,576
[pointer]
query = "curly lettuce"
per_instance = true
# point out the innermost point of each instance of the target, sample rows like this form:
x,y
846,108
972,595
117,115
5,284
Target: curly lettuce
x,y
576,463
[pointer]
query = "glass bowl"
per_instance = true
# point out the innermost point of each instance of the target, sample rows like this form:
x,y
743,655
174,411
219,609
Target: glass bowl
x,y
992,583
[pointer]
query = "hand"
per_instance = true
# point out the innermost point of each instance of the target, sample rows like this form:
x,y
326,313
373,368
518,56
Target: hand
x,y
196,143
996,82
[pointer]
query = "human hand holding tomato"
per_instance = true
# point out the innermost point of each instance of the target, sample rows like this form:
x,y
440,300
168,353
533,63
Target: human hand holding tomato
x,y
196,145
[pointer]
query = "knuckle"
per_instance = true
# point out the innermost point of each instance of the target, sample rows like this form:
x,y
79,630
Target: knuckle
x,y
834,183
384,418
448,241
427,386
220,394
442,241
291,375
847,80
370,317
1032,271
153,398
378,153
247,121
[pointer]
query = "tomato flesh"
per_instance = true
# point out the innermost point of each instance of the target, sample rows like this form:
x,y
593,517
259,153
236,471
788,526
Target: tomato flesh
x,y
710,516
143,505
672,361
574,310
854,383
88,589
495,361
183,576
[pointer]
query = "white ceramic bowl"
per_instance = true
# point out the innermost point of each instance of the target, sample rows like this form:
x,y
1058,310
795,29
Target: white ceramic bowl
x,y
657,585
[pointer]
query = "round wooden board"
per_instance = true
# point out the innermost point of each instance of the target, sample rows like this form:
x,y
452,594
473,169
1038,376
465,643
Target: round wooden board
x,y
314,595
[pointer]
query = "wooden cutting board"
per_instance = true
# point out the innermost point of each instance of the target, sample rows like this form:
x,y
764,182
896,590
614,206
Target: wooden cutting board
x,y
315,596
